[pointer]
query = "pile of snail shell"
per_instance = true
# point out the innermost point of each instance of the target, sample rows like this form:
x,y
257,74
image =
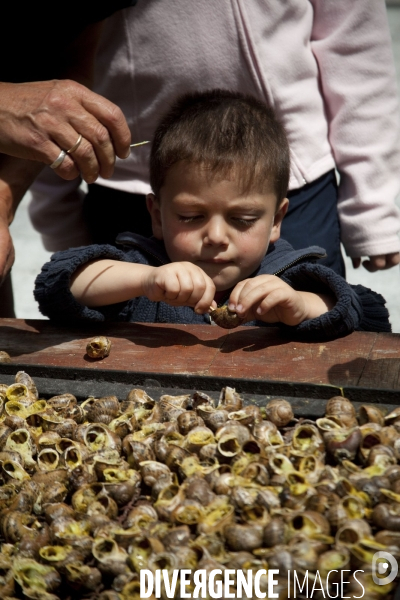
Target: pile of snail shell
x,y
91,493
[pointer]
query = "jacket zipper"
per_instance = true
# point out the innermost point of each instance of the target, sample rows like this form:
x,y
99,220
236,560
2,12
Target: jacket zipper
x,y
310,255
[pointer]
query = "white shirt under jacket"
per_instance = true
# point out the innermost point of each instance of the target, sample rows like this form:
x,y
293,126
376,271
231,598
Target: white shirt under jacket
x,y
326,66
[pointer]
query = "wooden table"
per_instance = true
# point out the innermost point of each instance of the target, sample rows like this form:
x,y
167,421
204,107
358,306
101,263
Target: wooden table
x,y
360,360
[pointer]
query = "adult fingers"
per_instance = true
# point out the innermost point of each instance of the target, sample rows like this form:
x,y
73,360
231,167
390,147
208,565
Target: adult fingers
x,y
382,262
7,254
94,154
112,118
73,110
356,262
96,148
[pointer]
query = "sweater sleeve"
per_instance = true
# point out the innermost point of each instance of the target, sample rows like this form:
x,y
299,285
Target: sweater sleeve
x,y
357,308
351,43
52,285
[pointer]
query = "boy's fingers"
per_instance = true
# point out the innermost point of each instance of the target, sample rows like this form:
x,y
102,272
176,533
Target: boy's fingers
x,y
236,294
275,297
251,295
170,286
263,297
207,298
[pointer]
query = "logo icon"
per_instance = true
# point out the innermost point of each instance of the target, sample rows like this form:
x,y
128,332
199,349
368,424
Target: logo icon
x,y
384,568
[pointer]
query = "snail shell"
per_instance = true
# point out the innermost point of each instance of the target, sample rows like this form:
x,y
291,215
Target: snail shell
x,y
393,416
213,418
225,318
343,443
83,576
201,398
370,413
243,537
25,379
188,420
246,416
342,411
229,399
4,357
352,532
275,533
199,489
279,412
98,347
58,510
62,402
197,438
387,516
178,536
47,459
29,573
217,514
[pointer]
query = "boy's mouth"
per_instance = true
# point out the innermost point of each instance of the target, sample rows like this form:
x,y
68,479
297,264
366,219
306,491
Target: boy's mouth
x,y
216,261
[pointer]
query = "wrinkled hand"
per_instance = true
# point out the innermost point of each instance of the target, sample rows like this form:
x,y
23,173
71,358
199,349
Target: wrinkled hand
x,y
378,262
180,284
7,254
39,119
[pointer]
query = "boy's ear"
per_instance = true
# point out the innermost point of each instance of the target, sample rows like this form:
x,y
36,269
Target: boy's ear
x,y
153,206
276,227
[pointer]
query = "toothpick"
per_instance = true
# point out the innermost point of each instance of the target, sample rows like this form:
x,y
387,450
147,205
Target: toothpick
x,y
139,144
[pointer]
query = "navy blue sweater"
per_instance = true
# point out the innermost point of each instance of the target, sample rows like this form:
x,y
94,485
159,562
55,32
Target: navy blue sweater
x,y
357,308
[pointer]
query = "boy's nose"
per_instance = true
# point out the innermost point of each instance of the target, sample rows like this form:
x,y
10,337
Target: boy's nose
x,y
216,233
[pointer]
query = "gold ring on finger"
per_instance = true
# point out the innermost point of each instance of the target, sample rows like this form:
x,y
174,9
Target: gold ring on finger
x,y
75,146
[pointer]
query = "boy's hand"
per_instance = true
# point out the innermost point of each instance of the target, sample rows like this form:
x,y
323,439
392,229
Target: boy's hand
x,y
267,298
180,284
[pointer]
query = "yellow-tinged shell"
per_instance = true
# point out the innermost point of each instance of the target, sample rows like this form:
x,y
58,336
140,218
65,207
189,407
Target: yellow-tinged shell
x,y
4,357
215,488
226,318
98,347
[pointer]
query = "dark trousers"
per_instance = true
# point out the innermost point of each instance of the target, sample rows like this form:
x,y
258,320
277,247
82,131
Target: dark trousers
x,y
312,217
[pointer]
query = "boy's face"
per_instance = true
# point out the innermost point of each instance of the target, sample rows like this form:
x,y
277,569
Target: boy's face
x,y
208,221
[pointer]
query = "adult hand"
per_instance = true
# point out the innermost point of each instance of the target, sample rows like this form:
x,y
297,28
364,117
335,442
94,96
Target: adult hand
x,y
378,262
39,119
7,254
16,175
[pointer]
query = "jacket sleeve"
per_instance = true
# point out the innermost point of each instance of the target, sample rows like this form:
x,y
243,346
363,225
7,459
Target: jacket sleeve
x,y
352,45
52,285
357,308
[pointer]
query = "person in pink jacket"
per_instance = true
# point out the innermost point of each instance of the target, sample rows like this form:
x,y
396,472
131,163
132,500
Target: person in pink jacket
x,y
325,66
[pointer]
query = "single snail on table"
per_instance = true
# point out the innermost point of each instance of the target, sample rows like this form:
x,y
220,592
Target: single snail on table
x,y
98,347
92,493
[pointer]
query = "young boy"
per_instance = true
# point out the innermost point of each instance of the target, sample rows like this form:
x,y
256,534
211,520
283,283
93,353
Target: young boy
x,y
219,172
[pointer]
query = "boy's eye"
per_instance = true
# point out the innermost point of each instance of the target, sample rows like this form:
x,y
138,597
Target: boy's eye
x,y
186,219
247,222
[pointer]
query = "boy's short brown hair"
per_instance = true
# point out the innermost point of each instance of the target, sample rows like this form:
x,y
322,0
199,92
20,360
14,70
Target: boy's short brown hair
x,y
223,131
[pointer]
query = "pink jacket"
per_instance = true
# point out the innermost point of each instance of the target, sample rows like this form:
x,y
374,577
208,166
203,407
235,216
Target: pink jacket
x,y
325,65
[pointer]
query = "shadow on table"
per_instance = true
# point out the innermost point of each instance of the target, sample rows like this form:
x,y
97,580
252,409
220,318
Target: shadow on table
x,y
39,335
381,373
